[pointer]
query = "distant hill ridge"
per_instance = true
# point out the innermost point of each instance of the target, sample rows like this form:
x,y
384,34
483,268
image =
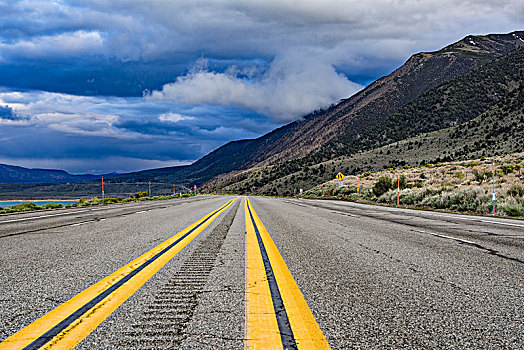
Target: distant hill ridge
x,y
17,174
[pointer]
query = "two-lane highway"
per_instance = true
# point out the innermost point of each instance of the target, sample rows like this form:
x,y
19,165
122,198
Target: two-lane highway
x,y
213,272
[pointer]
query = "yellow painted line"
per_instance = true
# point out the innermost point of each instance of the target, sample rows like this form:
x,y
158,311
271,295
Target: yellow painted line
x,y
81,327
307,333
261,328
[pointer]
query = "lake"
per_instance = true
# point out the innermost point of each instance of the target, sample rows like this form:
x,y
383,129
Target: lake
x,y
37,202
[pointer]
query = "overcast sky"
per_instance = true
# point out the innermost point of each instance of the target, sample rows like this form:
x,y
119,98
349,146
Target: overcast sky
x,y
100,86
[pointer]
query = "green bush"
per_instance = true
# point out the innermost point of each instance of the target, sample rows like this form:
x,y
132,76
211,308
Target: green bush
x,y
510,207
516,191
383,185
53,205
26,206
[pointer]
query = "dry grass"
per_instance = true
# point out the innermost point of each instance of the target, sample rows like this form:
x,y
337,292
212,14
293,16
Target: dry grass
x,y
464,186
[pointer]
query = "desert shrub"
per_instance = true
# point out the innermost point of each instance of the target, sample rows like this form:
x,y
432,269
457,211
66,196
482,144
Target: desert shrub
x,y
412,197
347,190
516,190
464,200
26,206
383,185
510,207
110,200
508,169
512,210
402,182
334,191
140,195
480,176
53,205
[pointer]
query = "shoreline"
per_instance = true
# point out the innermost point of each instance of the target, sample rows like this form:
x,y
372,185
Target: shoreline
x,y
39,200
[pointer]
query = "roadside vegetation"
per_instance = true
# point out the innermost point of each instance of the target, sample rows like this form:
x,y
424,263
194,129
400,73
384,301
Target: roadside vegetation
x,y
137,197
465,186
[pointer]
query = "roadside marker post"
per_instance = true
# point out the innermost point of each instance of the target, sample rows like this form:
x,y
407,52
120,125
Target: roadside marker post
x,y
102,190
493,187
149,188
174,192
358,187
195,190
398,190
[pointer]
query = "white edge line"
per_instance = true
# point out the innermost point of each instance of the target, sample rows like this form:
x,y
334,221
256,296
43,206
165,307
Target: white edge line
x,y
82,223
446,237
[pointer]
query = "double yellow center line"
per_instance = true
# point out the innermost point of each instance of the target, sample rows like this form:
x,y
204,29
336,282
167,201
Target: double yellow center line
x,y
277,315
68,324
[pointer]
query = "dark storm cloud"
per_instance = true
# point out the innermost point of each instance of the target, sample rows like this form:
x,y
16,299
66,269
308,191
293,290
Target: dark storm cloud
x,y
210,71
104,134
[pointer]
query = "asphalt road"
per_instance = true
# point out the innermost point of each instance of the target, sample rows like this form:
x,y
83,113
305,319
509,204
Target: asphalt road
x,y
373,277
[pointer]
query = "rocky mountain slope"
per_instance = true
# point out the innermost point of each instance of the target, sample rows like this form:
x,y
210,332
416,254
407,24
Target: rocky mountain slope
x,y
499,130
327,134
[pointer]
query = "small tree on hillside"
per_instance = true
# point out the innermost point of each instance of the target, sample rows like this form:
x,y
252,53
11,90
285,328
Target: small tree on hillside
x,y
383,185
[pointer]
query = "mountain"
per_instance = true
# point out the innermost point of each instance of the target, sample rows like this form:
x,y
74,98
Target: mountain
x,y
499,130
16,174
327,134
452,103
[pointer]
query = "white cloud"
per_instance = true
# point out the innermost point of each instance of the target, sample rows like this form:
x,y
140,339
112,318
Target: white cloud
x,y
59,45
292,86
174,117
70,114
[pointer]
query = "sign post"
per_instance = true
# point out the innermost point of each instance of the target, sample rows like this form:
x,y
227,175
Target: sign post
x,y
102,190
149,188
195,190
340,177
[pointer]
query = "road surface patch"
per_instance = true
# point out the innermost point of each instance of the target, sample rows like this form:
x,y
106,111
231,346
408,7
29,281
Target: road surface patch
x,y
68,324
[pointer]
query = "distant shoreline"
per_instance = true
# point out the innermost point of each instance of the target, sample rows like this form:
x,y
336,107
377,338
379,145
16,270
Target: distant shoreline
x,y
38,200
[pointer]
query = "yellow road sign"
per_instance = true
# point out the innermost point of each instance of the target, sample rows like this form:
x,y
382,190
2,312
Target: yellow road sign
x,y
340,176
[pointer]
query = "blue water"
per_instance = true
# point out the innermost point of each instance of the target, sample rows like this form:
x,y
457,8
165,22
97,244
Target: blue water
x,y
9,204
